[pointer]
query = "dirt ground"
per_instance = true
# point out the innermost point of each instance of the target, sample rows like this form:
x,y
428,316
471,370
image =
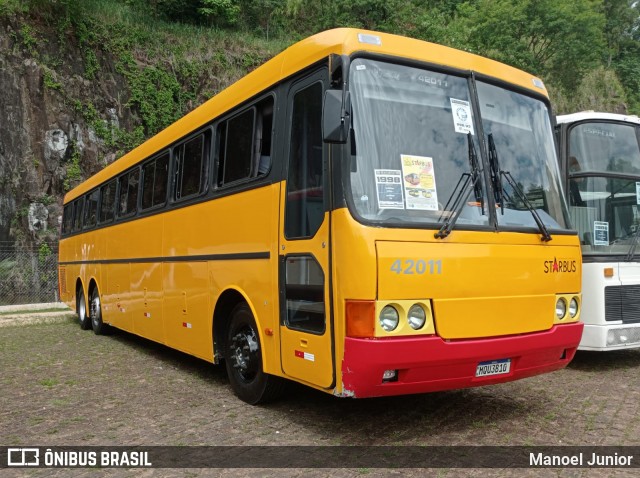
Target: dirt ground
x,y
60,385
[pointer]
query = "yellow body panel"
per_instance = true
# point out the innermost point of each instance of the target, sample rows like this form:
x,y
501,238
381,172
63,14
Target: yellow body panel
x,y
139,276
481,284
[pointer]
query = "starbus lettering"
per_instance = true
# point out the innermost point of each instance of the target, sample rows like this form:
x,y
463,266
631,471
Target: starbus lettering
x,y
559,266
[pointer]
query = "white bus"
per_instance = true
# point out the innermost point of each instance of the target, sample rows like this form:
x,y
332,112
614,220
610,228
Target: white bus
x,y
600,162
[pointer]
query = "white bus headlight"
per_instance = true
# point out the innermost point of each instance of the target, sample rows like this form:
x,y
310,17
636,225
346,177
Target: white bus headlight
x,y
416,317
561,308
389,318
573,307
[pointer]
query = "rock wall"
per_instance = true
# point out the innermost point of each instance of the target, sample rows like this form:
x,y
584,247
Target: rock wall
x,y
46,144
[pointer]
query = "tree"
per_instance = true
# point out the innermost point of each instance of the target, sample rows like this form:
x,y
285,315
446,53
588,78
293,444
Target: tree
x,y
558,40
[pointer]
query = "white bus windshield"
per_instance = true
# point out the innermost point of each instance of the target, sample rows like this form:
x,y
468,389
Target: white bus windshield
x,y
604,186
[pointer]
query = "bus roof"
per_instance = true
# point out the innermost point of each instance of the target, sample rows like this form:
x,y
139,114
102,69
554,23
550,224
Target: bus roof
x,y
296,58
595,115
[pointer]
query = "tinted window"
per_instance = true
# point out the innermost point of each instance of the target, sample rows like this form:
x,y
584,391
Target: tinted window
x,y
236,159
91,209
262,138
67,219
305,192
154,187
107,202
128,193
190,166
77,214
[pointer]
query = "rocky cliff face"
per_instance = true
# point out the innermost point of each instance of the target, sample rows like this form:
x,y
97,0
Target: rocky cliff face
x,y
75,93
47,145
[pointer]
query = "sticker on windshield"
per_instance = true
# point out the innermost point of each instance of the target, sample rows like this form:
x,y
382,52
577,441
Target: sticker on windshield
x,y
600,233
637,193
461,112
389,188
419,182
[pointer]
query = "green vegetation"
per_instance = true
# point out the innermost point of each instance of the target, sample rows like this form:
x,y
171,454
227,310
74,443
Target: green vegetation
x,y
174,54
74,170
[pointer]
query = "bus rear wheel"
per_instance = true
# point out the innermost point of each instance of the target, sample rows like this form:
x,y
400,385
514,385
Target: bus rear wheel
x,y
243,359
81,308
98,326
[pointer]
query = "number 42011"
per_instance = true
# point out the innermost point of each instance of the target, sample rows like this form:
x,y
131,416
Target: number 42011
x,y
410,266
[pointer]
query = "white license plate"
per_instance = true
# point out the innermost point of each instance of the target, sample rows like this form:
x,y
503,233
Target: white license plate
x,y
494,367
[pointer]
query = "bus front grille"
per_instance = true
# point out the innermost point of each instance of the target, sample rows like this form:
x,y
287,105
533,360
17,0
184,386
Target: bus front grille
x,y
622,302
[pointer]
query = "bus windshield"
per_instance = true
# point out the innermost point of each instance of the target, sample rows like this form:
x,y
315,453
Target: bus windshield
x,y
604,185
410,149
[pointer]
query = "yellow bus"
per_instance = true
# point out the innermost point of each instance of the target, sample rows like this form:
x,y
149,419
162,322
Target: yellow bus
x,y
365,214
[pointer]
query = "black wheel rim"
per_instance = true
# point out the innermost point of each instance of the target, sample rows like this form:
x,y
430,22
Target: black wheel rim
x,y
245,353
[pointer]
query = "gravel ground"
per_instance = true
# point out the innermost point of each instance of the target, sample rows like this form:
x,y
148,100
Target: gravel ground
x,y
60,385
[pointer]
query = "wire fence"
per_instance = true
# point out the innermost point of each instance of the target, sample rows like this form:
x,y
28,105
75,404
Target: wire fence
x,y
28,275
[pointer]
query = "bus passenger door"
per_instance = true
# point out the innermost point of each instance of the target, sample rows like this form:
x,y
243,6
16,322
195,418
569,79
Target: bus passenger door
x,y
306,328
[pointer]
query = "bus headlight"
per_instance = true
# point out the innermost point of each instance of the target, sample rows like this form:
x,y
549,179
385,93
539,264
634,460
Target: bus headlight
x,y
416,317
573,307
561,308
389,318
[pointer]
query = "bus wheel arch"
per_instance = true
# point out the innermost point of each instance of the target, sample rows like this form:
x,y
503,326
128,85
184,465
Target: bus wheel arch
x,y
81,306
237,340
227,301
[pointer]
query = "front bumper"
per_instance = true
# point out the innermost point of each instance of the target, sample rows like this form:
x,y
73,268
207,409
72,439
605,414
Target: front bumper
x,y
431,364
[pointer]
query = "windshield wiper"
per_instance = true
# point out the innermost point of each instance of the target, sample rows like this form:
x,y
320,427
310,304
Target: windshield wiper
x,y
466,179
500,192
634,242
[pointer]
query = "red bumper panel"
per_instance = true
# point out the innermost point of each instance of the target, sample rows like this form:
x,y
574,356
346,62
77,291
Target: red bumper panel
x,y
430,364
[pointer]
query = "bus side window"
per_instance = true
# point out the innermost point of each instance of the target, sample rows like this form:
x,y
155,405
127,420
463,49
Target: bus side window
x,y
262,138
235,147
190,166
107,202
154,182
128,193
67,219
77,214
91,209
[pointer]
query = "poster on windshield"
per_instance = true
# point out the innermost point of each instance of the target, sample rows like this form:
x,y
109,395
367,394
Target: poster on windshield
x,y
461,112
600,233
419,182
637,193
389,188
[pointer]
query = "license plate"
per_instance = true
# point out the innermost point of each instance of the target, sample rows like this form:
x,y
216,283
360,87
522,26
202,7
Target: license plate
x,y
494,367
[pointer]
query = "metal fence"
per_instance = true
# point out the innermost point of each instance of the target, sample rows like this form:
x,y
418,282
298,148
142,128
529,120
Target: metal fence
x,y
28,275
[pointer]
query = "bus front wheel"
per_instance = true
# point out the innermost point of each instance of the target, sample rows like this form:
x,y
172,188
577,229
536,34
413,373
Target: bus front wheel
x,y
243,359
81,308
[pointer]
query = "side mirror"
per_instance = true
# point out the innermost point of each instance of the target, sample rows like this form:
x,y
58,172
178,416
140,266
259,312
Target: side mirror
x,y
336,116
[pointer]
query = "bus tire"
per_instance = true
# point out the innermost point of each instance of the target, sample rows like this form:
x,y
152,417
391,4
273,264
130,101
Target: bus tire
x,y
95,308
243,359
81,309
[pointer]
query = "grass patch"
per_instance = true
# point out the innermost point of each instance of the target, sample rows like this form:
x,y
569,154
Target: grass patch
x,y
35,311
